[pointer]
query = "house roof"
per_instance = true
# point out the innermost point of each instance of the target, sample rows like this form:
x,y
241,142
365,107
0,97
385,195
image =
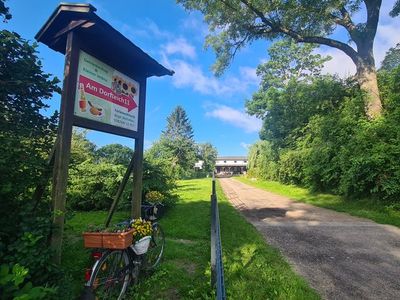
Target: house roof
x,y
232,158
99,38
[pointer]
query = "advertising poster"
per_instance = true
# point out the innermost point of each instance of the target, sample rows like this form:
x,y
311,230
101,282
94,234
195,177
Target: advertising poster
x,y
105,95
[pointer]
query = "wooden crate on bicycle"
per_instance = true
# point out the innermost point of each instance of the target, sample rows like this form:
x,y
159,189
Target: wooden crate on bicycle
x,y
108,240
93,239
118,240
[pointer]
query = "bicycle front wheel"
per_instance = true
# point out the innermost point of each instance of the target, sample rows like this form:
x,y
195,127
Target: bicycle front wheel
x,y
156,248
110,278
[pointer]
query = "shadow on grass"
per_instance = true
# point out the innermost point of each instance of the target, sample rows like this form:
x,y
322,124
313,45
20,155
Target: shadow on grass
x,y
253,270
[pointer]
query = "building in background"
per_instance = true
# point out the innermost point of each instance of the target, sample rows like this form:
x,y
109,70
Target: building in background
x,y
230,165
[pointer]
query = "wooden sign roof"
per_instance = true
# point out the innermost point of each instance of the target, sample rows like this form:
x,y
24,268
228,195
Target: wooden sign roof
x,y
99,39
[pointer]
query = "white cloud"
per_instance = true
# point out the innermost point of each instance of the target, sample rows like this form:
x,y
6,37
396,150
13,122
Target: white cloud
x,y
191,75
340,63
180,46
236,118
148,28
194,23
250,75
245,146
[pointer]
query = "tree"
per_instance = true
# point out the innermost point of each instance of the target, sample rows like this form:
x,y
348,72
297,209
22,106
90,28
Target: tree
x,y
4,11
392,58
81,148
235,23
289,64
115,154
290,61
176,144
208,154
26,138
263,160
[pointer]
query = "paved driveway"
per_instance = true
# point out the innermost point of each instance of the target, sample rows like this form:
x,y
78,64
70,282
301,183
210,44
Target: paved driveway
x,y
341,256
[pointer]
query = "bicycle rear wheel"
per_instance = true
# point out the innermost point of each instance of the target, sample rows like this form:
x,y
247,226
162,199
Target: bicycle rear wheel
x,y
110,278
154,253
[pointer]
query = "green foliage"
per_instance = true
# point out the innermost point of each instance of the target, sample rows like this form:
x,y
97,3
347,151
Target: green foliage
x,y
93,185
25,135
234,24
81,148
208,154
157,177
338,149
396,9
176,146
14,285
26,138
262,160
4,11
392,59
95,175
287,110
115,154
291,167
290,61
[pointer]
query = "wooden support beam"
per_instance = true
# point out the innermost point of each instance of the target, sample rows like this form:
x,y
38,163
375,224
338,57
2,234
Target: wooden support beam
x,y
138,156
120,190
63,149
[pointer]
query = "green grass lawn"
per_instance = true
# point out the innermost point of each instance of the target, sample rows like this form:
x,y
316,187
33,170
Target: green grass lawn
x,y
367,208
253,270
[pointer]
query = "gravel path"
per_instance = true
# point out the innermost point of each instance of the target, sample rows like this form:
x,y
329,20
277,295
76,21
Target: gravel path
x,y
341,256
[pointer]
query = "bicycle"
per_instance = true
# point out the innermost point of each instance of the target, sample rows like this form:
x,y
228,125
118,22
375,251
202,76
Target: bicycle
x,y
115,269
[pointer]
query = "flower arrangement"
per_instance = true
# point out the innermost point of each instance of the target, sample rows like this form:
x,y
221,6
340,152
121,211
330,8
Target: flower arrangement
x,y
141,228
154,197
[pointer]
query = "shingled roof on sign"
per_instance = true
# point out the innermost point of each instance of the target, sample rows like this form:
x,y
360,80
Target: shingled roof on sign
x,y
98,38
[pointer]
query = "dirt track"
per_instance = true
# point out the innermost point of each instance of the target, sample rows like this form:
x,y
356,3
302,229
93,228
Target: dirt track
x,y
341,256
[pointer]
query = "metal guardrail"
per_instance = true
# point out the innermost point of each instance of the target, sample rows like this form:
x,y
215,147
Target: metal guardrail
x,y
217,268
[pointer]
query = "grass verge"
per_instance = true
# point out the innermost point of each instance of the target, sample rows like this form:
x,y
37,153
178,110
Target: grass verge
x,y
366,208
253,270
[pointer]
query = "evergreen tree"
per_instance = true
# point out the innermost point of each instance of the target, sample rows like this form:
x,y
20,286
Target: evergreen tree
x,y
176,144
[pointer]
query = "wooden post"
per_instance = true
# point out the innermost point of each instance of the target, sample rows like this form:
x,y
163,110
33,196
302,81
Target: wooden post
x,y
62,154
138,156
120,191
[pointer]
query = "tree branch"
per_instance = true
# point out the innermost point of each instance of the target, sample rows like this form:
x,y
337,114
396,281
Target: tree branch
x,y
277,28
373,9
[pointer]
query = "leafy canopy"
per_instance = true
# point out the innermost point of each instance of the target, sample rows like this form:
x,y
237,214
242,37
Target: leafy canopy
x,y
392,58
235,23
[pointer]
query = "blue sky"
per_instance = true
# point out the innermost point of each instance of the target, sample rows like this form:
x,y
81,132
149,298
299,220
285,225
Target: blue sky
x,y
175,38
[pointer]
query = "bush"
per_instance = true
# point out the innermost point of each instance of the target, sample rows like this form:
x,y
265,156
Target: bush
x,y
93,186
14,284
291,167
263,161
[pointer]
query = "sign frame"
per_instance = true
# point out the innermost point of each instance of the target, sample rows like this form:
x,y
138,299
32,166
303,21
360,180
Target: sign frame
x,y
104,127
70,29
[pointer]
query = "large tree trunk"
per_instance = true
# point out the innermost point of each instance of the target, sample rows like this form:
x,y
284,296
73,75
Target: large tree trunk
x,y
367,79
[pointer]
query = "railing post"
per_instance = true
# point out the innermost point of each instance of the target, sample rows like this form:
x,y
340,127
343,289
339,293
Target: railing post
x,y
217,268
213,237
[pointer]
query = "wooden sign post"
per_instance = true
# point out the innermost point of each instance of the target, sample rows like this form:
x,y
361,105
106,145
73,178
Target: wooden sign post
x,y
104,89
